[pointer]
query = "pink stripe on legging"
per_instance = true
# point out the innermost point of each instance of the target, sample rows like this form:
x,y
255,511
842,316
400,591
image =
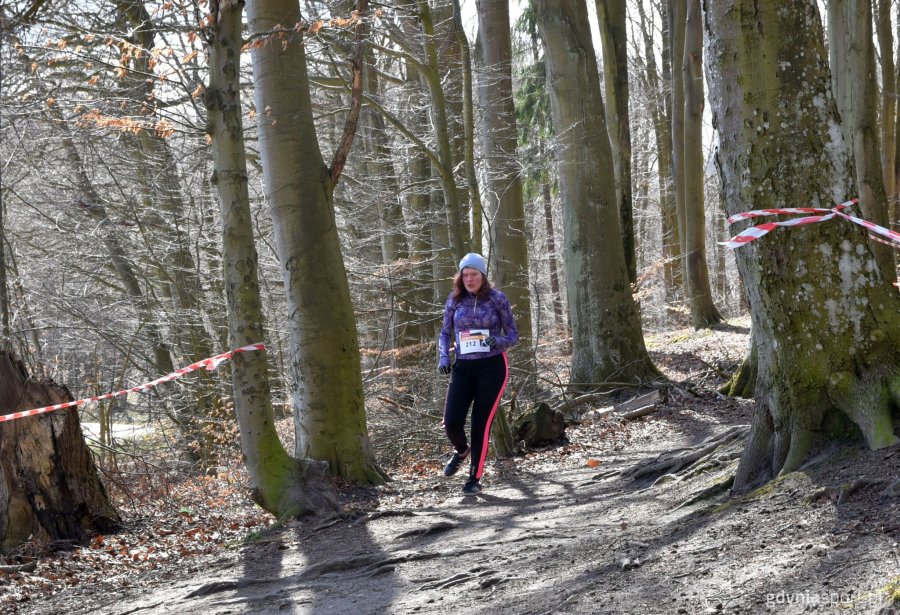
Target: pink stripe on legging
x,y
487,428
444,416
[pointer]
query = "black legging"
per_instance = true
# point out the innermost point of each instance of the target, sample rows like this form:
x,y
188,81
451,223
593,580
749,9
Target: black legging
x,y
481,381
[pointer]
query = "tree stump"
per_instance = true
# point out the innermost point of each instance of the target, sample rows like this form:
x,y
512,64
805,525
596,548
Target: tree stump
x,y
49,486
540,426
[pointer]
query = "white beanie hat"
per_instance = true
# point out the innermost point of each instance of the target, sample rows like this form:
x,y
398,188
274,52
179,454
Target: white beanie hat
x,y
476,261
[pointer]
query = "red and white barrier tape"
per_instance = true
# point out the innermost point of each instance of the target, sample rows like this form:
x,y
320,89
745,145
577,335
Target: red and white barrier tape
x,y
209,364
755,232
893,244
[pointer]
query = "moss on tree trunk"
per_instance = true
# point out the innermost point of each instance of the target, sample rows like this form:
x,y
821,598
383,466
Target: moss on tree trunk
x,y
826,322
330,418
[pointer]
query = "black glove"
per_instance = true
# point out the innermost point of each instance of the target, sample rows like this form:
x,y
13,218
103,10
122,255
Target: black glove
x,y
444,369
491,341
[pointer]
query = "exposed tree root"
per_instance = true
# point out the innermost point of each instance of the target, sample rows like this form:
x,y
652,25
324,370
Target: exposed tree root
x,y
29,567
672,462
867,400
604,476
367,563
893,490
378,514
841,493
709,492
437,528
224,586
743,382
787,427
457,579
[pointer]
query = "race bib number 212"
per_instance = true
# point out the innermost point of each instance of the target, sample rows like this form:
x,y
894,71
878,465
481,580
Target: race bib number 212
x,y
473,340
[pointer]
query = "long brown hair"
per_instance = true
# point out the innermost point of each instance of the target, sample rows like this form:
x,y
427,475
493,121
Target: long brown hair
x,y
459,289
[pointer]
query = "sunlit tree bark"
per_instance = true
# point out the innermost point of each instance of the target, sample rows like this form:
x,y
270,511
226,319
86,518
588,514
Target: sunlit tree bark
x,y
431,71
284,486
607,344
327,393
503,199
698,290
888,95
4,295
852,55
614,37
826,322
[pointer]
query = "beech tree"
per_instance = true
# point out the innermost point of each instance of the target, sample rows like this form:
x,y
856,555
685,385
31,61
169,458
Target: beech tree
x,y
889,98
4,296
503,200
326,384
826,321
851,51
282,485
614,38
693,228
436,66
532,105
657,77
607,342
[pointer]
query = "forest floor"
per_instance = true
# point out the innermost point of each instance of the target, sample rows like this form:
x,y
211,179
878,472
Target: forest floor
x,y
560,529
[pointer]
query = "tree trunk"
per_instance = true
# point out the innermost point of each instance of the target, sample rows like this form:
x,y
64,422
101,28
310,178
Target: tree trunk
x,y
852,56
401,328
329,407
614,38
161,180
419,206
503,200
895,197
888,95
469,130
606,329
662,128
743,382
559,317
541,125
676,21
826,322
49,486
284,486
4,295
699,293
165,207
89,203
431,72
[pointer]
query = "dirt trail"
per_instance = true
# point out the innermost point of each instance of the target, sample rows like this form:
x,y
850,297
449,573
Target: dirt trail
x,y
550,535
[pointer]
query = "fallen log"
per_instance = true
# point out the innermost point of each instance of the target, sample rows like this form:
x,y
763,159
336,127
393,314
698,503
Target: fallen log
x,y
641,401
642,411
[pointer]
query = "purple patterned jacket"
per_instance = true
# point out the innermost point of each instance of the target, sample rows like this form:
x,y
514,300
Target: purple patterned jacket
x,y
470,312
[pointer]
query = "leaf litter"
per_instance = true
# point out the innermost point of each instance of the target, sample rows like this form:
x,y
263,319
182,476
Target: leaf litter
x,y
559,529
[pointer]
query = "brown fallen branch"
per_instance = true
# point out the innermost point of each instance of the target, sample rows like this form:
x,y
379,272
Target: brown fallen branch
x,y
29,567
570,404
643,411
642,401
391,402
